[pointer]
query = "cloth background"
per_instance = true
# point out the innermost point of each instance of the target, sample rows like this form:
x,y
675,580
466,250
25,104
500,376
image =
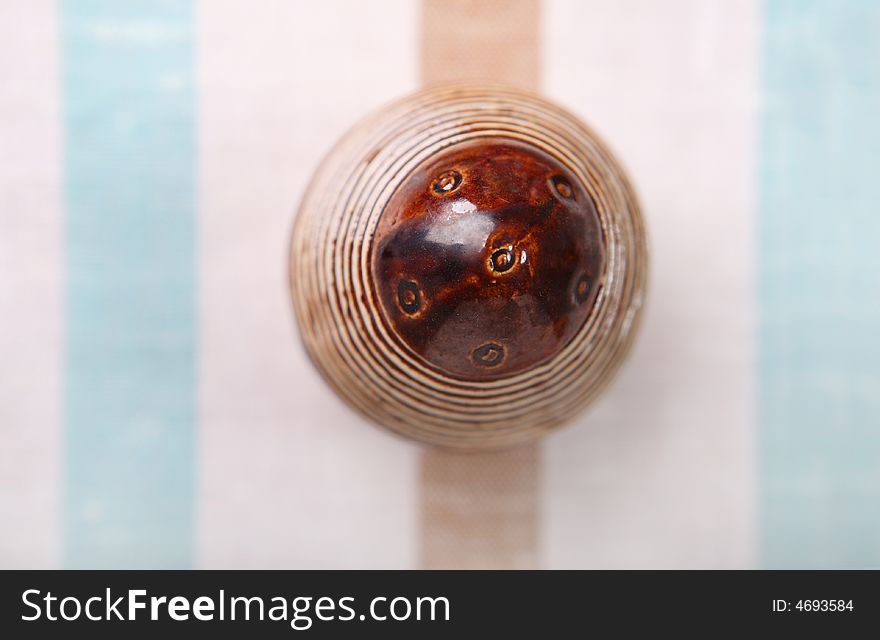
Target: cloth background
x,y
157,410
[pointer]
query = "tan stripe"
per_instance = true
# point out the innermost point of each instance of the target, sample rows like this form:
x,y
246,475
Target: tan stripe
x,y
481,40
480,510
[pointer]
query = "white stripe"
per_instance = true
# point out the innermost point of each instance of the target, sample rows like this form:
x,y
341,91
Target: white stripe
x,y
289,477
661,471
30,285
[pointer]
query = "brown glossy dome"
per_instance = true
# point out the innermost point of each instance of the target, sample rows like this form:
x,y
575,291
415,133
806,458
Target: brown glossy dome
x,y
488,258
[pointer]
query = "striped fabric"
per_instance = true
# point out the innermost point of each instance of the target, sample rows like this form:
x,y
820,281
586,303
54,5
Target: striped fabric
x,y
157,410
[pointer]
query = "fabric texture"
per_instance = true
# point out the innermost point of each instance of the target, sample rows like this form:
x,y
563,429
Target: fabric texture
x,y
157,409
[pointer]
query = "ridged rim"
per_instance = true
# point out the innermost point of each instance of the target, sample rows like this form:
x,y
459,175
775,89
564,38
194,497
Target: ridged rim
x,y
342,324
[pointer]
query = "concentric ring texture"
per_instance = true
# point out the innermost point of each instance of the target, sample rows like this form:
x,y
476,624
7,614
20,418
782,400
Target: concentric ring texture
x,y
341,320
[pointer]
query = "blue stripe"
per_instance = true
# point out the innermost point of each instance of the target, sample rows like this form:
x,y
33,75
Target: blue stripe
x,y
128,116
820,284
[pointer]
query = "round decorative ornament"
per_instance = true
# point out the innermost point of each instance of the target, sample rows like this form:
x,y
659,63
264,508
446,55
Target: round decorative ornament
x,y
467,267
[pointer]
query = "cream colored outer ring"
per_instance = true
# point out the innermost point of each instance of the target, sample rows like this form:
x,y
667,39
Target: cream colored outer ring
x,y
342,323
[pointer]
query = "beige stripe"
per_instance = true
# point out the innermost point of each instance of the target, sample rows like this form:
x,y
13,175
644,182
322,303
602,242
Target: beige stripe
x,y
480,509
484,40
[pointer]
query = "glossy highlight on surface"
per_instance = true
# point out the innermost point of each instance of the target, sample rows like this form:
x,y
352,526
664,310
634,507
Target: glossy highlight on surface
x,y
488,258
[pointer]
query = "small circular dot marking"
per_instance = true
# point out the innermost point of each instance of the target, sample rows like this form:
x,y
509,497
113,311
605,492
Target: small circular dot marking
x,y
502,260
582,288
562,187
447,182
488,355
409,297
